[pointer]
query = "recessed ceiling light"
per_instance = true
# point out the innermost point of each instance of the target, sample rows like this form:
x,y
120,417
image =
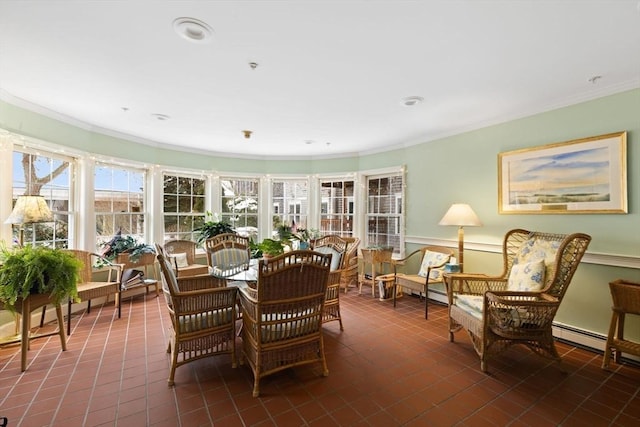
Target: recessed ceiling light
x,y
410,101
161,117
193,30
309,141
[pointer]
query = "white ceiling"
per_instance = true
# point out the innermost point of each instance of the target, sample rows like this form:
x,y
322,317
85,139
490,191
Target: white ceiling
x,y
330,72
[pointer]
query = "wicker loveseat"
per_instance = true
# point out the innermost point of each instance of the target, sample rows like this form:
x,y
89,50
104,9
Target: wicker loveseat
x,y
518,306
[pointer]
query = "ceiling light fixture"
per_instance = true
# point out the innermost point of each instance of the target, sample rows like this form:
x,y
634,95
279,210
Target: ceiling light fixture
x,y
247,133
193,30
410,101
161,117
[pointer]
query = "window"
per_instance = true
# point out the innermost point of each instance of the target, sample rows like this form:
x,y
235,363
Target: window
x,y
240,204
119,202
290,202
336,207
183,206
45,175
384,211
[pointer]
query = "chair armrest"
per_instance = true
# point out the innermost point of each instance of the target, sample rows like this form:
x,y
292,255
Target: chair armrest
x,y
402,261
475,284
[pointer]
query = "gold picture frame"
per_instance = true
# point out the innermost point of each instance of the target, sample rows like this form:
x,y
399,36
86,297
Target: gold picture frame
x,y
586,175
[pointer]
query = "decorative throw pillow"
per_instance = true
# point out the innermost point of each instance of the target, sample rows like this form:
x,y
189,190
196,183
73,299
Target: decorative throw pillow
x,y
528,276
180,260
432,259
536,249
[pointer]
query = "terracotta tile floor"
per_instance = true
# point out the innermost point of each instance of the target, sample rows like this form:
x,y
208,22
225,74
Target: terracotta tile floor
x,y
388,368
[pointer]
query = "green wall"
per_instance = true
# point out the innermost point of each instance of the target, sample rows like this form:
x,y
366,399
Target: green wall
x,y
459,168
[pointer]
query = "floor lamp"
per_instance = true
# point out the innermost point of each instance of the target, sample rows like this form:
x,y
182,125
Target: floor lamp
x,y
460,215
29,210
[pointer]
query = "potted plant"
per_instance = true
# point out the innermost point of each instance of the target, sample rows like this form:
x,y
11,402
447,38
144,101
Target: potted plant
x,y
303,236
125,250
211,228
271,248
37,270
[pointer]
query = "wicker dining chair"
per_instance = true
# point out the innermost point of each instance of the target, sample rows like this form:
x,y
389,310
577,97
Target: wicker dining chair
x,y
183,256
626,301
282,315
228,254
89,288
337,247
203,316
518,306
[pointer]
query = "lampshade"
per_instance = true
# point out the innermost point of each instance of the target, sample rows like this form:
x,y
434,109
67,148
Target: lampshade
x,y
30,209
460,214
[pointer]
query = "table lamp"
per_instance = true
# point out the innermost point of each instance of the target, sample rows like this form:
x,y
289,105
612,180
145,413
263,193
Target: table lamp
x,y
460,214
29,210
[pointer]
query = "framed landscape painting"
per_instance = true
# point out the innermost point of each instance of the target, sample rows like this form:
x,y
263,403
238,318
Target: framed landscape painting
x,y
582,176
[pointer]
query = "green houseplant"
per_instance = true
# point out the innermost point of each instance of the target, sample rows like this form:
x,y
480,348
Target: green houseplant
x,y
37,270
211,228
271,247
125,245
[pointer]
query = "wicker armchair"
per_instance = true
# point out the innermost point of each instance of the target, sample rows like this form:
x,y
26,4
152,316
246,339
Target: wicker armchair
x,y
433,260
337,247
626,300
518,306
227,254
182,254
282,315
203,315
89,289
349,275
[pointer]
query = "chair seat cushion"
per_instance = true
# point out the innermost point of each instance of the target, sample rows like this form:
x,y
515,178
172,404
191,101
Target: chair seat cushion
x,y
471,304
283,329
194,323
432,259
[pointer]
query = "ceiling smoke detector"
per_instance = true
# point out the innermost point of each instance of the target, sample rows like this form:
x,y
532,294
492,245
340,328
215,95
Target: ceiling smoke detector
x,y
193,30
159,116
410,101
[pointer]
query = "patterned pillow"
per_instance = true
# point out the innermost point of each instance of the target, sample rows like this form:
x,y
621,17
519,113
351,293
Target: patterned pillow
x,y
536,249
432,259
528,276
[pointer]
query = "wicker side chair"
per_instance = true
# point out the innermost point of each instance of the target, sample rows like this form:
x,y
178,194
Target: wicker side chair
x,y
228,254
349,275
282,315
203,315
88,288
183,256
433,260
337,247
518,306
626,300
